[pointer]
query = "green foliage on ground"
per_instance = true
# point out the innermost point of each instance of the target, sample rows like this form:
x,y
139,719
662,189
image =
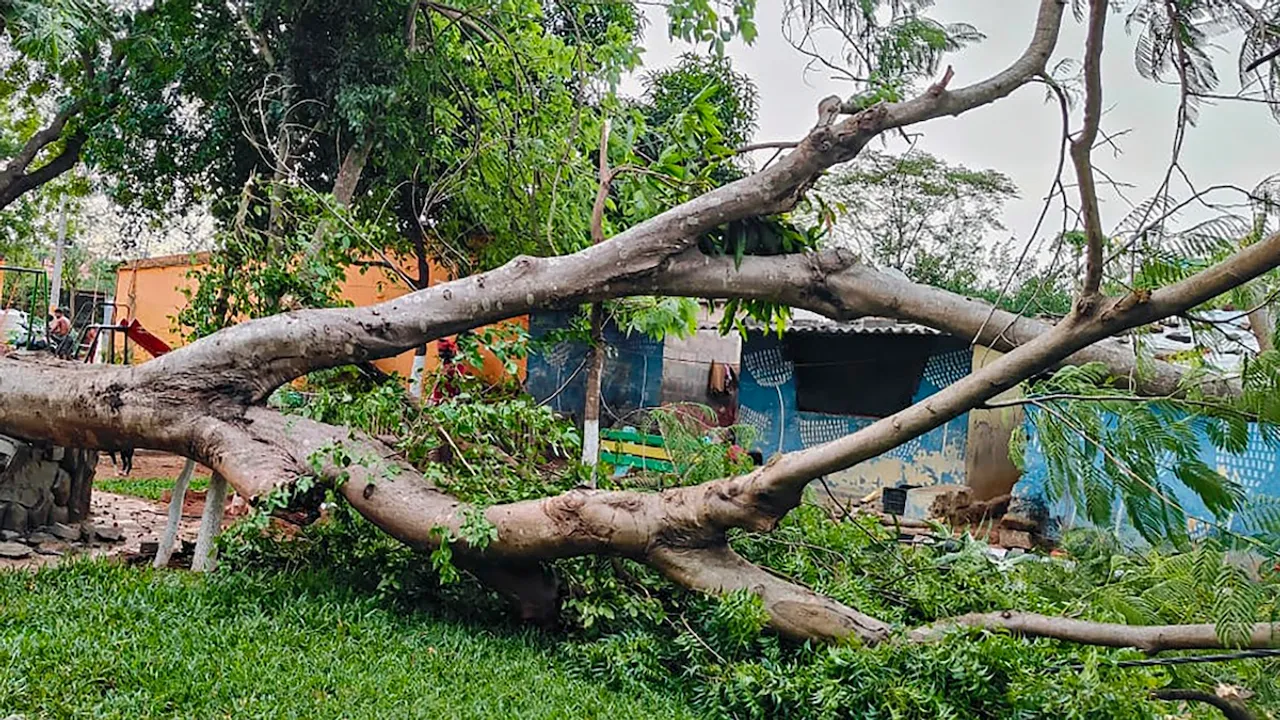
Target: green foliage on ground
x,y
149,488
627,627
93,639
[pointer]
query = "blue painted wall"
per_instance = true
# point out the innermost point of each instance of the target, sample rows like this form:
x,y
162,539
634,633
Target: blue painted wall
x,y
632,372
767,402
1257,470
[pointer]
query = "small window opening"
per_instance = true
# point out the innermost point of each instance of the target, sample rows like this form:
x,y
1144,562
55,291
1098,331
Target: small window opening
x,y
864,375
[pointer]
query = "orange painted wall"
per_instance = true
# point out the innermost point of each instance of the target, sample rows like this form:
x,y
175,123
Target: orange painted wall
x,y
151,291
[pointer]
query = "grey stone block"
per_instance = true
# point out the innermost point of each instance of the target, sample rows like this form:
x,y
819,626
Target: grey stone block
x,y
28,483
61,487
38,514
59,514
65,531
14,550
53,547
110,533
15,519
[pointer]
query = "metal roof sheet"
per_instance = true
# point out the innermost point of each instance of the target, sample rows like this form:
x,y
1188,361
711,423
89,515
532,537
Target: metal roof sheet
x,y
809,322
1224,347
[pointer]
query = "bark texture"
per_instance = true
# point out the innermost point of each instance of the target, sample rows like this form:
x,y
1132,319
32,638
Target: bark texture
x,y
205,401
1148,638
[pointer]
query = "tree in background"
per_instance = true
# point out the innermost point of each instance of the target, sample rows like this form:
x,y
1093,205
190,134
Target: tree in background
x,y
67,62
921,215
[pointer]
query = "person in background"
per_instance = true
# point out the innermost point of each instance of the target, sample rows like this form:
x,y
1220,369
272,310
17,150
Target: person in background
x,y
59,327
60,334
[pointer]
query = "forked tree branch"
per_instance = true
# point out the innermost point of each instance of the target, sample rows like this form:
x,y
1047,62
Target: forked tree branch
x,y
1082,148
17,177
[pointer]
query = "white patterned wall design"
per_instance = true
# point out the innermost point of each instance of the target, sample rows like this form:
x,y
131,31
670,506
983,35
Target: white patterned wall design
x,y
558,356
945,369
822,430
756,420
768,366
1253,468
907,451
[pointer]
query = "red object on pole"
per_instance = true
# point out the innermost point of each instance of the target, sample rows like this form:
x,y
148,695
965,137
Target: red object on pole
x,y
447,381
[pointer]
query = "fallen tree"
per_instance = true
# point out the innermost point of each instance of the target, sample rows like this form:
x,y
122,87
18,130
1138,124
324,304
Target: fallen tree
x,y
207,400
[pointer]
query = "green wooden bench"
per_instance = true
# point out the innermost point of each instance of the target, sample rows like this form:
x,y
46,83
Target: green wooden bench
x,y
629,448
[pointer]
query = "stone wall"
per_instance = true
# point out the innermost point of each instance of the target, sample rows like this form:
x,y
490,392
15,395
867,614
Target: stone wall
x,y
43,486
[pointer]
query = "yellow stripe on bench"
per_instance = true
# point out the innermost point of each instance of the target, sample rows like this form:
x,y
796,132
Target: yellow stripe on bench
x,y
627,448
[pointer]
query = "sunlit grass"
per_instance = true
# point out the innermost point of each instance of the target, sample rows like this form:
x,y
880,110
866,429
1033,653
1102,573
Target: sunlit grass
x,y
92,639
151,488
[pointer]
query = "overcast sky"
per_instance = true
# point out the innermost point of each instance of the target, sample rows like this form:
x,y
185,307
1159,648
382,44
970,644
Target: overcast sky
x,y
1237,143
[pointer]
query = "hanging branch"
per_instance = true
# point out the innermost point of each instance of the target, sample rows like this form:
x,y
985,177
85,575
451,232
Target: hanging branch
x,y
1082,148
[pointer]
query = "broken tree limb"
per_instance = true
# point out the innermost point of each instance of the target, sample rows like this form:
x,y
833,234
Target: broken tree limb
x,y
776,487
796,611
1148,638
205,401
1231,709
833,283
257,449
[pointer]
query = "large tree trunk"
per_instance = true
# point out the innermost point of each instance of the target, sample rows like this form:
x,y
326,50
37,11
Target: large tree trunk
x,y
207,411
19,176
205,401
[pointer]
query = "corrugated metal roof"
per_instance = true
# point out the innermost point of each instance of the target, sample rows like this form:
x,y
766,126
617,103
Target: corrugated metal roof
x,y
807,322
1224,346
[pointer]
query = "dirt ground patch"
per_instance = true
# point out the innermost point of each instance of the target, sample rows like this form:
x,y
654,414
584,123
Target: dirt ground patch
x,y
139,521
148,464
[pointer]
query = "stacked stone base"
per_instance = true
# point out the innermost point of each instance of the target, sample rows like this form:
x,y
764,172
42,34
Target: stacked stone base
x,y
43,486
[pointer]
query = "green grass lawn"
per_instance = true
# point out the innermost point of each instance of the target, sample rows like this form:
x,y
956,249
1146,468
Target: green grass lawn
x,y
92,639
149,488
